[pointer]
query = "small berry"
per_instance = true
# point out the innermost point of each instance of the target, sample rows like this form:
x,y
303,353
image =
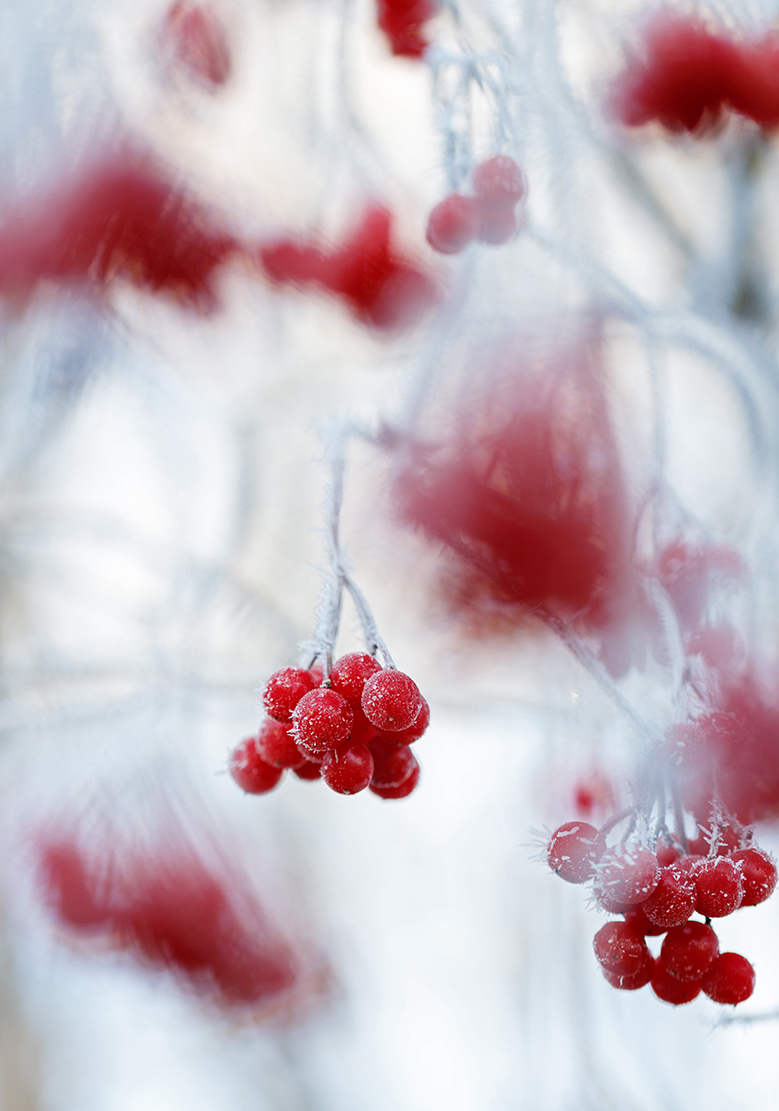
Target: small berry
x,y
667,854
691,863
362,730
393,764
391,700
348,769
350,673
673,900
413,733
626,875
758,874
729,979
250,771
400,792
322,720
284,690
497,224
499,181
688,950
672,990
638,980
574,850
620,948
720,887
636,918
452,224
276,745
312,769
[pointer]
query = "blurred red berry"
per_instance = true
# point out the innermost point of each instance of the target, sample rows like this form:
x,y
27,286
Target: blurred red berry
x,y
453,224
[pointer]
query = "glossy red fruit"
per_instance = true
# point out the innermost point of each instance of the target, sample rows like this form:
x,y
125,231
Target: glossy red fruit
x,y
638,980
673,900
620,949
672,990
276,745
758,874
322,720
729,979
311,769
626,875
391,700
393,764
499,182
689,950
250,771
453,224
347,769
413,733
349,675
719,886
636,918
284,690
401,792
574,850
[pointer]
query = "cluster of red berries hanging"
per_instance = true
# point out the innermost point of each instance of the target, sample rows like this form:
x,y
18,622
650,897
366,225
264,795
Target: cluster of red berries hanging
x,y
657,893
352,730
489,215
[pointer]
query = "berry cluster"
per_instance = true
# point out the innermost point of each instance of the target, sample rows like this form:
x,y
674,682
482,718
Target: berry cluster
x,y
489,215
353,730
657,893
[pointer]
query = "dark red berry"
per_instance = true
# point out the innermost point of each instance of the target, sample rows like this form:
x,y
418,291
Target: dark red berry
x,y
626,875
672,990
391,700
284,690
758,874
574,850
310,770
322,720
720,887
499,181
413,733
729,979
349,675
620,948
347,769
362,730
638,980
688,950
250,771
452,224
673,900
276,745
636,918
400,792
393,764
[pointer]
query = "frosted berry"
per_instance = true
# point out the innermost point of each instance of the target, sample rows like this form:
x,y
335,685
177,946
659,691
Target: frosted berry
x,y
626,875
720,887
391,700
393,764
400,792
250,771
673,900
636,918
347,769
413,733
499,181
322,720
574,850
672,990
276,745
688,950
350,673
729,979
284,690
312,769
758,874
620,948
452,224
638,980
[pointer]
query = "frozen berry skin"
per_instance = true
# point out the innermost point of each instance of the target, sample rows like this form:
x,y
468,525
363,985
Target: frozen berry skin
x,y
284,690
626,875
720,888
636,918
311,769
620,949
347,769
350,673
322,720
672,990
574,850
452,224
250,771
632,983
729,979
499,181
758,874
392,764
413,733
400,792
276,745
673,900
391,700
688,950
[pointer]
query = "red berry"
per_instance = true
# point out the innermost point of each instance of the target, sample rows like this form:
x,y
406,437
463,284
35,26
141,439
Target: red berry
x,y
574,850
626,874
347,769
720,887
413,733
312,769
350,673
316,671
391,700
636,918
284,690
620,948
758,874
276,745
672,990
667,854
729,979
322,720
452,224
688,950
250,771
497,225
673,900
499,181
393,764
362,730
691,863
398,792
638,980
